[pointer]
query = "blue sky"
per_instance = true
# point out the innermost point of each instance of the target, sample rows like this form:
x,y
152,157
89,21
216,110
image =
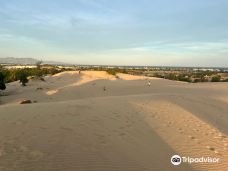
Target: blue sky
x,y
124,32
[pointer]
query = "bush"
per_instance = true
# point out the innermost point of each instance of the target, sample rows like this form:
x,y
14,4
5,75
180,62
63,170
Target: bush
x,y
114,71
22,76
216,79
15,74
184,78
111,72
2,81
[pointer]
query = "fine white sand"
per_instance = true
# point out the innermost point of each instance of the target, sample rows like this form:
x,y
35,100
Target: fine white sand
x,y
98,122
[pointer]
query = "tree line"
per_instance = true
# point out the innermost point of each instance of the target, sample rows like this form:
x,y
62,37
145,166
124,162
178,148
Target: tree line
x,y
10,75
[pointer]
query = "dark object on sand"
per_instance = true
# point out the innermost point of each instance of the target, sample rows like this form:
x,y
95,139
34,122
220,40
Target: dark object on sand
x,y
42,79
23,78
26,102
104,88
2,82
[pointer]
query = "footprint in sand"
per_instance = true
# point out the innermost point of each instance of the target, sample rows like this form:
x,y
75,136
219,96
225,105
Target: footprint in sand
x,y
212,133
36,155
217,138
221,136
169,123
66,129
129,125
53,115
191,137
122,128
43,127
210,148
197,141
1,153
103,142
101,138
152,116
181,131
122,134
165,125
199,126
216,152
19,122
23,149
97,120
196,130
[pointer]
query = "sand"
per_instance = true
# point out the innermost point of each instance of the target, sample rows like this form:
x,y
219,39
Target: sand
x,y
98,122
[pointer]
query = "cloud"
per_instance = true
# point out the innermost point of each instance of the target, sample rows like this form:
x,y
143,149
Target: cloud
x,y
146,31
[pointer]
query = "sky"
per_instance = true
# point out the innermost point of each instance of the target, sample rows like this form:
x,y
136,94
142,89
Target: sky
x,y
118,32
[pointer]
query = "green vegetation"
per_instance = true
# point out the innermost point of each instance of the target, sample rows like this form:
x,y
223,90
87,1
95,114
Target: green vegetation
x,y
38,64
11,75
216,78
114,71
178,74
185,75
173,76
111,72
2,81
178,77
22,76
184,78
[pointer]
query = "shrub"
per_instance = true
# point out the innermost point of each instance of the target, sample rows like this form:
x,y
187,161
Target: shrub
x,y
111,72
216,79
22,76
2,81
38,64
184,78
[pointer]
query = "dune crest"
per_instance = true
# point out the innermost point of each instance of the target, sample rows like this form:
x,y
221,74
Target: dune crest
x,y
134,77
83,78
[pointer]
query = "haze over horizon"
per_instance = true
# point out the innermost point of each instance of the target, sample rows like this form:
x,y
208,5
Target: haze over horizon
x,y
147,32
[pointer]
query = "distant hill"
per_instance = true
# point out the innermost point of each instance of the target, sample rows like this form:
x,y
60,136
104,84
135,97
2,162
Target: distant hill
x,y
27,61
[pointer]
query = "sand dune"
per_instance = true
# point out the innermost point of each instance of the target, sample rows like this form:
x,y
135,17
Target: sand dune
x,y
76,124
134,77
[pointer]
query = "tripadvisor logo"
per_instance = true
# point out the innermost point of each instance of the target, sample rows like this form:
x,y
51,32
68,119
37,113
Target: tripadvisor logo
x,y
176,160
